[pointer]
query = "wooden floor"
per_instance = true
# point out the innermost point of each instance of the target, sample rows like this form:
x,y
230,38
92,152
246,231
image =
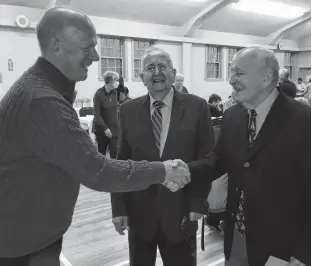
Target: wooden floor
x,y
92,240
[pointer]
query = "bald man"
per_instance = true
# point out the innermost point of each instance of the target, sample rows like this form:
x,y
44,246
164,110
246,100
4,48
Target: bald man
x,y
45,155
264,146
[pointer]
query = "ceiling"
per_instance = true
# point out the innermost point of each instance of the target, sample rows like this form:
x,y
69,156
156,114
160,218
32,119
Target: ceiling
x,y
178,12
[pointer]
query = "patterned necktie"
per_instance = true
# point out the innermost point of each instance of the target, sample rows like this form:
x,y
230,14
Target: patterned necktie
x,y
157,121
240,217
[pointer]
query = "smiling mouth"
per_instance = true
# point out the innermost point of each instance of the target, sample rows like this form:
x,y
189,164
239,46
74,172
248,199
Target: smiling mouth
x,y
158,81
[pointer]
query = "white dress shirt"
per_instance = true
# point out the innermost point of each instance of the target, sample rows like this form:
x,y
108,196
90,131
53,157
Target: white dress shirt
x,y
166,117
264,108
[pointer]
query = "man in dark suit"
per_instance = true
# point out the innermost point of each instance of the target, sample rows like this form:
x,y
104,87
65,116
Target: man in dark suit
x,y
264,146
285,85
161,125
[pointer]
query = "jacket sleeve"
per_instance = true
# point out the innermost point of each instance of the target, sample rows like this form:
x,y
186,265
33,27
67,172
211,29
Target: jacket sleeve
x,y
210,167
124,153
55,136
97,111
200,184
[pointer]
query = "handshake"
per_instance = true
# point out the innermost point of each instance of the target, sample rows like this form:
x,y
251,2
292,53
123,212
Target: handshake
x,y
177,175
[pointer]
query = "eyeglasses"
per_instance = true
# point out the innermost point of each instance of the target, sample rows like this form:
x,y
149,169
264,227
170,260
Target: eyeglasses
x,y
161,68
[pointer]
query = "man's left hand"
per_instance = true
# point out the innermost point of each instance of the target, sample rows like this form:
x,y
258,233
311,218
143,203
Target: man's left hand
x,y
194,216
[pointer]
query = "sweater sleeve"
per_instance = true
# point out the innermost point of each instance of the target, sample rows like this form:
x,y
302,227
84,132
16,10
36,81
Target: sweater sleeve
x,y
54,135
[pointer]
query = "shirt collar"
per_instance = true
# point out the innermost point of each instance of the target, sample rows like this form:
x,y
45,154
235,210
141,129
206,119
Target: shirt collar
x,y
61,83
264,108
167,100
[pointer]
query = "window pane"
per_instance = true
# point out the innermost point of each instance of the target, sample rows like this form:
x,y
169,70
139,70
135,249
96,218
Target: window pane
x,y
136,73
138,50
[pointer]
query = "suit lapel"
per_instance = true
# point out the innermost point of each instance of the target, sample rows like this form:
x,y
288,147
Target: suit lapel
x,y
175,121
274,122
147,128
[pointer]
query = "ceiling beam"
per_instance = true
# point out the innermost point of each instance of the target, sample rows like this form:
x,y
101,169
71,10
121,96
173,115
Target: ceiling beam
x,y
276,36
190,27
55,3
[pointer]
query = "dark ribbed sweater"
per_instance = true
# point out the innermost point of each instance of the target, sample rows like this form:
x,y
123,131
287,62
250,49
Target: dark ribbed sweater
x,y
45,156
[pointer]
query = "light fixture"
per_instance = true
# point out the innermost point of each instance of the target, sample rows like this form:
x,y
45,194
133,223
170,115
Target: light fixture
x,y
269,8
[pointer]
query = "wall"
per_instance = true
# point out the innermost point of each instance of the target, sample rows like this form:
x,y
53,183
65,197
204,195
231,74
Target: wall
x,y
188,54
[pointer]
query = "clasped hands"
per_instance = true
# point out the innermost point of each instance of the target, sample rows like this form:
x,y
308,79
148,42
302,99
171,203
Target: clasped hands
x,y
177,175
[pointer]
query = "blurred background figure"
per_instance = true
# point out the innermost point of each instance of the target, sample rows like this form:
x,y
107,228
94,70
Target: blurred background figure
x,y
301,88
214,105
178,84
105,114
122,92
285,85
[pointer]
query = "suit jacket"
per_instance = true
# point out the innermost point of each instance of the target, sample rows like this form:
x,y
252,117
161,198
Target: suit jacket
x,y
190,137
275,176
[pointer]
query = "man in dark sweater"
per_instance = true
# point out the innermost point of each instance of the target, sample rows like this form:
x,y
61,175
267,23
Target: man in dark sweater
x,y
45,155
105,114
285,86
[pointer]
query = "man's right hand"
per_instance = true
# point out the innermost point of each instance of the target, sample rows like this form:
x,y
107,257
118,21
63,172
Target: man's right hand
x,y
108,133
176,176
121,224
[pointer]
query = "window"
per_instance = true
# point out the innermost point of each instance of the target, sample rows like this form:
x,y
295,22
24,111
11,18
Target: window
x,y
231,53
213,62
112,55
139,46
288,63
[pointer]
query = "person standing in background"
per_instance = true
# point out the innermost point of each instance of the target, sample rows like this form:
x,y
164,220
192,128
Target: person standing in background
x,y
122,92
178,84
105,114
286,86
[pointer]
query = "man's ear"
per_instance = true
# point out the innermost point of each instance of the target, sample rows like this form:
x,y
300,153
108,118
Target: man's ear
x,y
55,45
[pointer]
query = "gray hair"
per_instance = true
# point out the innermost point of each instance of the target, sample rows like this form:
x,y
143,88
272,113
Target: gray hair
x,y
55,20
110,76
284,74
153,50
179,75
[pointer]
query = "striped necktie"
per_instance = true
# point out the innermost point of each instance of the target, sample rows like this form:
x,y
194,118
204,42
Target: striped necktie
x,y
240,216
157,121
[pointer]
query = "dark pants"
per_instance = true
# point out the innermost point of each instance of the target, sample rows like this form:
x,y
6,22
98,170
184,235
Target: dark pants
x,y
104,142
144,253
48,256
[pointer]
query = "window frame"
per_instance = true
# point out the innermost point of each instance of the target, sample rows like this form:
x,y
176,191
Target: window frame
x,y
133,58
122,58
220,78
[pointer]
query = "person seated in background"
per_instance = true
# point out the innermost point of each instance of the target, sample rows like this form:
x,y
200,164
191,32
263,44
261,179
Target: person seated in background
x,y
214,105
285,86
178,84
105,114
301,88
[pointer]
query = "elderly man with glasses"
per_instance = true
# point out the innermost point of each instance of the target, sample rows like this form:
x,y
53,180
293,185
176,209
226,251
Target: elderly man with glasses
x,y
161,125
